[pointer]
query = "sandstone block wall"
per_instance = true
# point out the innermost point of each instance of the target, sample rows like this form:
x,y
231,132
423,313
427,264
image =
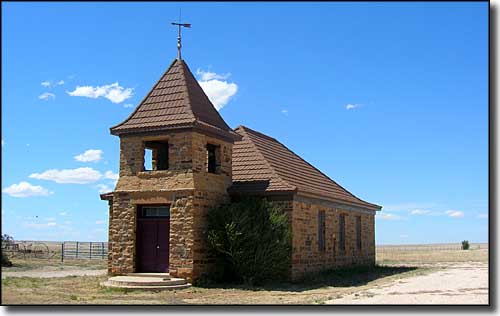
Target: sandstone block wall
x,y
306,255
186,186
121,245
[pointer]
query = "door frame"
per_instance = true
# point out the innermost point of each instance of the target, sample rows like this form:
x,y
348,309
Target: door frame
x,y
138,218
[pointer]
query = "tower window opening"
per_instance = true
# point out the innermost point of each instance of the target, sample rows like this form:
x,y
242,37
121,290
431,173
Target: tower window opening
x,y
155,155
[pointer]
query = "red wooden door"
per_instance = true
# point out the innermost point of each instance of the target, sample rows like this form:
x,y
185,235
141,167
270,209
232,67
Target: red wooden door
x,y
153,240
163,242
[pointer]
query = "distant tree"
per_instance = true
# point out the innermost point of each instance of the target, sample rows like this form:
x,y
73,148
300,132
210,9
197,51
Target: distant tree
x,y
465,245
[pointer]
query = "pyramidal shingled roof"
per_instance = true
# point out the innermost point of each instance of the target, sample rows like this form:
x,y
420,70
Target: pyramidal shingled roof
x,y
261,164
176,101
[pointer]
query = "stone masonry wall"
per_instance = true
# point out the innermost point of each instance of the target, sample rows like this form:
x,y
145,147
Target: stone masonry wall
x,y
210,191
306,255
121,245
186,186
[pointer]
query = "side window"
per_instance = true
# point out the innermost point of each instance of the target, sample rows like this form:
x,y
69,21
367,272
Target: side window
x,y
342,232
358,232
321,230
213,158
155,155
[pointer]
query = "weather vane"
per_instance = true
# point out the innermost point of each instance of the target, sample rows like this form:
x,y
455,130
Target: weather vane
x,y
179,45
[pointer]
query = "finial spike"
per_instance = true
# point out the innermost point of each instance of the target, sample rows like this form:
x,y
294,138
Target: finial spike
x,y
179,40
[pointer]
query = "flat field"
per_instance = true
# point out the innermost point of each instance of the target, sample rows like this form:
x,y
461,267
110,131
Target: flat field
x,y
417,274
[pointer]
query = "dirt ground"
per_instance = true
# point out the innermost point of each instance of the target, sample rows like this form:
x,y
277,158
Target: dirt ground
x,y
465,283
40,268
444,277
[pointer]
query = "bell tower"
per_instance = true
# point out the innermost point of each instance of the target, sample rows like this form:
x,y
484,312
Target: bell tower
x,y
175,165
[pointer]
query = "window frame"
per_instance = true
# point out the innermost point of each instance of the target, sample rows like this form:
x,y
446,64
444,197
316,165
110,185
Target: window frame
x,y
155,146
213,158
342,239
321,230
142,208
359,240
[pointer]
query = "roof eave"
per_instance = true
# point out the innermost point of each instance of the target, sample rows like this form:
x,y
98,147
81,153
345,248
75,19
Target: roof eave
x,y
363,204
230,135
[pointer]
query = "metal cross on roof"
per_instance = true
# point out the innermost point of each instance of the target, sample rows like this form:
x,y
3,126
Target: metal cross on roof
x,y
179,45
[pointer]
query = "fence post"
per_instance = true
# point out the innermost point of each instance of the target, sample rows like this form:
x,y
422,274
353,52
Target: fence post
x,y
62,251
90,250
77,250
102,250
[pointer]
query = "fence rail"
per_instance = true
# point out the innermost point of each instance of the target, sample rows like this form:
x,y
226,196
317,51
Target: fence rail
x,y
84,250
56,250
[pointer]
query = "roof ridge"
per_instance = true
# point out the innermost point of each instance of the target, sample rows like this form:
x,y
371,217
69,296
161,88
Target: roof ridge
x,y
256,132
185,84
185,68
265,160
322,173
246,129
144,99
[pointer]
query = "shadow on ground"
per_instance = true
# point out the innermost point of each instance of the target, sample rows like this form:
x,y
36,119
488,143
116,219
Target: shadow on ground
x,y
348,277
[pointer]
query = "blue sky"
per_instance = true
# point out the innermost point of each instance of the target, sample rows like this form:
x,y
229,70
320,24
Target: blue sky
x,y
388,99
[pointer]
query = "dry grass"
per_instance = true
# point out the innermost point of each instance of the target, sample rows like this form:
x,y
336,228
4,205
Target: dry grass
x,y
316,290
86,290
21,264
429,254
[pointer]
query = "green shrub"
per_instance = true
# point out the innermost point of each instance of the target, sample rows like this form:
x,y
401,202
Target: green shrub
x,y
250,240
465,245
6,241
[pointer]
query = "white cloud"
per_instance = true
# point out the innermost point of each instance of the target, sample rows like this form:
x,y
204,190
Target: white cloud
x,y
46,96
50,219
407,207
78,176
103,188
389,217
483,215
218,90
455,214
128,105
100,222
419,212
91,155
40,225
46,84
111,175
207,75
285,112
113,92
352,106
60,82
63,213
25,189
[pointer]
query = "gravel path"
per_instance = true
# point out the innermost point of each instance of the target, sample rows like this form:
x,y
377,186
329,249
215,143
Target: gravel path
x,y
465,283
52,273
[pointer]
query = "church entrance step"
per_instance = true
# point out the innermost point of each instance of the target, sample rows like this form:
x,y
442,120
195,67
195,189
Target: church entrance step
x,y
165,276
147,287
145,281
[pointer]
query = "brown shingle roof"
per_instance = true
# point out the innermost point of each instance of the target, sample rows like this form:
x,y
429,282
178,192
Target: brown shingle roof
x,y
175,101
261,164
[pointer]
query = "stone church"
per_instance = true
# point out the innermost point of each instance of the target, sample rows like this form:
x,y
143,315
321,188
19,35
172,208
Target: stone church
x,y
179,159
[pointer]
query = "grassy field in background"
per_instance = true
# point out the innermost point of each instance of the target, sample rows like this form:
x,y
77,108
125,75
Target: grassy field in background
x,y
394,263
